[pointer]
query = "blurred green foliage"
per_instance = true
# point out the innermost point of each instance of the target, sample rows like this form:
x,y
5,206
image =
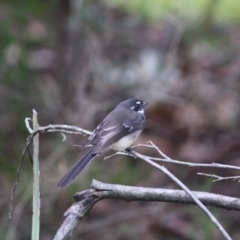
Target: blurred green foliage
x,y
206,224
191,11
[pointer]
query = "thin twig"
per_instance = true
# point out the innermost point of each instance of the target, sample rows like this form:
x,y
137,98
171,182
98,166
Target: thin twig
x,y
27,123
17,177
190,164
219,178
186,189
62,128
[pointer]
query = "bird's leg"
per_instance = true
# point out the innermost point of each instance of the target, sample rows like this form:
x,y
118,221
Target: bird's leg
x,y
130,151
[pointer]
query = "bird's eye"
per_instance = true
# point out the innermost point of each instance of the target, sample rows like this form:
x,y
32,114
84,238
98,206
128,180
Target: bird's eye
x,y
137,106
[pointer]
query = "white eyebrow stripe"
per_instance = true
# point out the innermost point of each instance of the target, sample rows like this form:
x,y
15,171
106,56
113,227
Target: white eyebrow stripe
x,y
138,102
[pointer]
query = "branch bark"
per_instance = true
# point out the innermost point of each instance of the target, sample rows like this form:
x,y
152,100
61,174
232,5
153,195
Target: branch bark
x,y
85,200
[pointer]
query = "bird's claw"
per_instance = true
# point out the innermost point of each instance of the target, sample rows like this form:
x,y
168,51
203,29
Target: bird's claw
x,y
130,152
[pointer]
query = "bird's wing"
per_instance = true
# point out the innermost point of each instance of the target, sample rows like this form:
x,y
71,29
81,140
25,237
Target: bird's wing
x,y
115,130
93,137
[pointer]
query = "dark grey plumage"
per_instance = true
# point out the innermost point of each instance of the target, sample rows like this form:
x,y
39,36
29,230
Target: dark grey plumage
x,y
118,130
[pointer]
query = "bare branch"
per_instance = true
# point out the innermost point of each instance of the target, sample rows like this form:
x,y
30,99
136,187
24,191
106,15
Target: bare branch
x,y
186,189
62,128
219,178
88,198
131,193
190,164
27,120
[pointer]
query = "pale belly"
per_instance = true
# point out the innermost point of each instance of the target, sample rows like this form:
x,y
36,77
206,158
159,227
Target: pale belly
x,y
126,141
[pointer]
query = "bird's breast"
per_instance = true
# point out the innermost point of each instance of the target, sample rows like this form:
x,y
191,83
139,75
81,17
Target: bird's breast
x,y
126,141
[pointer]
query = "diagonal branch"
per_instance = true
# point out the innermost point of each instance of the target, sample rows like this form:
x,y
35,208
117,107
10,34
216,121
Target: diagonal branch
x,y
187,190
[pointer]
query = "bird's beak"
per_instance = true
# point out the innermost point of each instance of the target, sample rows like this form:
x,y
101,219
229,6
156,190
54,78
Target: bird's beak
x,y
144,104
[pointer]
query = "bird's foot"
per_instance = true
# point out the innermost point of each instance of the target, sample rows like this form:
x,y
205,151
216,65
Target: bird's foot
x,y
130,152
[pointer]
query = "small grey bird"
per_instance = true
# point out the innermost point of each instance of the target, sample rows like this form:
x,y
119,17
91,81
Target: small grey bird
x,y
118,130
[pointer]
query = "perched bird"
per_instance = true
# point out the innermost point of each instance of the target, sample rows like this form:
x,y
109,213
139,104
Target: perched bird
x,y
118,130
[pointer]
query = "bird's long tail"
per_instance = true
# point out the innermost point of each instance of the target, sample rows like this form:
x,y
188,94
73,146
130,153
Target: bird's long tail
x,y
76,169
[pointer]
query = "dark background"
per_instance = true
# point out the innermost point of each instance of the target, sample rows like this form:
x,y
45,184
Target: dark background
x,y
73,61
